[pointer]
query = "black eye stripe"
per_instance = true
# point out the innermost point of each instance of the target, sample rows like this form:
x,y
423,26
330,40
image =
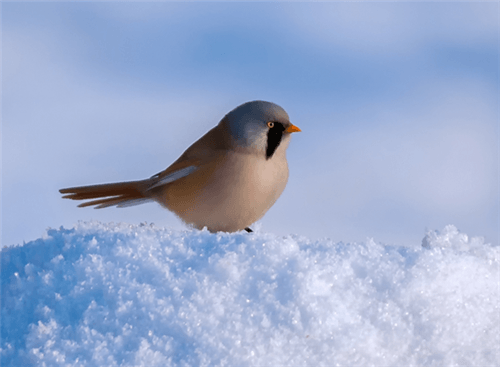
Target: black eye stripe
x,y
274,136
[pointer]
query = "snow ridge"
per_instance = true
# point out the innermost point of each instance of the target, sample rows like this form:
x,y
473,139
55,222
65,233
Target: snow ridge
x,y
126,295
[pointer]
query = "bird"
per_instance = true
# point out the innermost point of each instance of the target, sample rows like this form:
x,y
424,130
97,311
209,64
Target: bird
x,y
225,181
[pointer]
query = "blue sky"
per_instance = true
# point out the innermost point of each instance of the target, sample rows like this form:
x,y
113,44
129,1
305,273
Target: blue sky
x,y
398,104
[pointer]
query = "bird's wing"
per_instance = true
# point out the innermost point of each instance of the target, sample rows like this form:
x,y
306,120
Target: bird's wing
x,y
172,173
203,151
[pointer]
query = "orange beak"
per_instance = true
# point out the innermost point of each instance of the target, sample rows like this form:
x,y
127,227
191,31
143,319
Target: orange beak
x,y
292,129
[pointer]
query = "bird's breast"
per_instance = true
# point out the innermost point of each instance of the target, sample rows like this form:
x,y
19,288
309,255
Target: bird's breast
x,y
228,193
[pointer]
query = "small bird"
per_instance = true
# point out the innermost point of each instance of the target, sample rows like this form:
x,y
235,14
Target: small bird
x,y
225,181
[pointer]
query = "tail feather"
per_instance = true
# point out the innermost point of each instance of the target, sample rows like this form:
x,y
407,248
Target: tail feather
x,y
120,194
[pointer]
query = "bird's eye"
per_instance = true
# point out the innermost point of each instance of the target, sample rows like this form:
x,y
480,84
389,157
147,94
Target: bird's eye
x,y
270,124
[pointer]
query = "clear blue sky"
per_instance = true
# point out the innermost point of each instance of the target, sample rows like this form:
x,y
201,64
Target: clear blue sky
x,y
398,104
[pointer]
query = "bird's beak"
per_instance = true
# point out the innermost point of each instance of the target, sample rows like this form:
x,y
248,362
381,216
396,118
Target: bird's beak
x,y
292,129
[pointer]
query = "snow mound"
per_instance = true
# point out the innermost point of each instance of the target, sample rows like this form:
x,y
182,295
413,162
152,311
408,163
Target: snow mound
x,y
125,295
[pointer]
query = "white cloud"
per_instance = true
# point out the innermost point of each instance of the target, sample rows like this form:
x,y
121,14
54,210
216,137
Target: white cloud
x,y
387,30
412,162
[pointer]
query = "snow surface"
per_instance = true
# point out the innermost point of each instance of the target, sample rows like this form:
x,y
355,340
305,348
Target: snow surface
x,y
125,295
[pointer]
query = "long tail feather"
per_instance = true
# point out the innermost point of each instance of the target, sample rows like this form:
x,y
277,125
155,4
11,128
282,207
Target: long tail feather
x,y
121,194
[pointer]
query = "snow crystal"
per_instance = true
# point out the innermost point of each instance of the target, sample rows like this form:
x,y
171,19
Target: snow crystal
x,y
123,295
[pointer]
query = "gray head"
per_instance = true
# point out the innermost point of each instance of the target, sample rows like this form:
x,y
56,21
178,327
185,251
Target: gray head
x,y
260,125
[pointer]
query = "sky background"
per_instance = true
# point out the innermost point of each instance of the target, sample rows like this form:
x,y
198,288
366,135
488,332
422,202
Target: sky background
x,y
398,105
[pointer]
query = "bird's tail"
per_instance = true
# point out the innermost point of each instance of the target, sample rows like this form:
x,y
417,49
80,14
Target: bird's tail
x,y
121,194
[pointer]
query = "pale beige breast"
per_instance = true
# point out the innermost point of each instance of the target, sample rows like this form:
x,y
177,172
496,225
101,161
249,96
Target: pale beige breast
x,y
230,192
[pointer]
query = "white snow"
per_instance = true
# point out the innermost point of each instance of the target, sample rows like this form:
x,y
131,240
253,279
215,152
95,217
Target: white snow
x,y
125,295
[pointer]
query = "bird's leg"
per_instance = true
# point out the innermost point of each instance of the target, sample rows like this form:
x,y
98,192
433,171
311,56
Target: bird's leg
x,y
248,229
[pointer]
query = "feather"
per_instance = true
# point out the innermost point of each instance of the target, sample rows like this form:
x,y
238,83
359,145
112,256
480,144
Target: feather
x,y
120,194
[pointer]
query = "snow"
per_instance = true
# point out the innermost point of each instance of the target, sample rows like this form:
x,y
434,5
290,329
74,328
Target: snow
x,y
125,295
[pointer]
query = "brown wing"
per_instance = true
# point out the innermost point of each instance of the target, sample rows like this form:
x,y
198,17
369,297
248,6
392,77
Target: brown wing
x,y
201,151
